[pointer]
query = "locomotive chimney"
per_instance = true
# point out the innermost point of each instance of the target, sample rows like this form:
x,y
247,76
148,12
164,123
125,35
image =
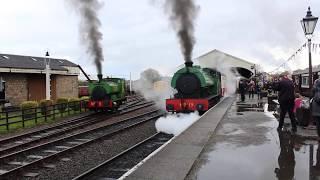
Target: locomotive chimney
x,y
100,77
188,63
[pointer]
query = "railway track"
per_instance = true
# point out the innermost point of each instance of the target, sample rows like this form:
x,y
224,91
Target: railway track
x,y
17,164
27,140
116,166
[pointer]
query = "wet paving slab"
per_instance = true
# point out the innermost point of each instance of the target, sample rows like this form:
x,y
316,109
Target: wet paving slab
x,y
246,145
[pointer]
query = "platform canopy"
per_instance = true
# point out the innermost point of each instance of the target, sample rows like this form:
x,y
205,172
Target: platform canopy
x,y
222,61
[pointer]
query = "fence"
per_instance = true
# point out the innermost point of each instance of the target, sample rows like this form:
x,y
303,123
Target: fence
x,y
25,117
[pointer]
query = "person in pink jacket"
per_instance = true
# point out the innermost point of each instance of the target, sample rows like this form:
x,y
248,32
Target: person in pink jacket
x,y
297,102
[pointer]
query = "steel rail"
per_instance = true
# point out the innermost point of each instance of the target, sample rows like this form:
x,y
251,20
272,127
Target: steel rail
x,y
19,170
95,172
61,128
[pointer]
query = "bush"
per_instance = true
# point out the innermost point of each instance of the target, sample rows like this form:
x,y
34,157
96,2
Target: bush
x,y
43,106
84,98
27,107
62,104
74,104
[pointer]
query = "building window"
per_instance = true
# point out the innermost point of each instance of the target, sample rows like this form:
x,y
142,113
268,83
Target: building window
x,y
305,82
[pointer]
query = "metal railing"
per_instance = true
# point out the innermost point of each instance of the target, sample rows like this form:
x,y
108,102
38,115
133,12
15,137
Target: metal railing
x,y
22,117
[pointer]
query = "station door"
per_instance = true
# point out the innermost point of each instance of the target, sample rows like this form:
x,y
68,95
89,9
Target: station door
x,y
37,87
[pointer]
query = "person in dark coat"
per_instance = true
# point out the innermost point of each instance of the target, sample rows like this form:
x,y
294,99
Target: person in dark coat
x,y
286,100
242,90
315,105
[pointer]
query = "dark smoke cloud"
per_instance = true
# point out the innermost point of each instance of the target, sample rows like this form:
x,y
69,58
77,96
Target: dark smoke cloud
x,y
182,14
89,28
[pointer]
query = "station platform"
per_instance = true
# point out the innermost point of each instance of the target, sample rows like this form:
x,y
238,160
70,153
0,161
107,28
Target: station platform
x,y
175,160
234,140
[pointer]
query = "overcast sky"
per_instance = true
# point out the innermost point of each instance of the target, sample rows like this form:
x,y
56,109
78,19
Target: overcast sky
x,y
137,35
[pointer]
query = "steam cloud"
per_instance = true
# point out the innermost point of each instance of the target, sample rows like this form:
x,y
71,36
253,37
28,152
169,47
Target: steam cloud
x,y
182,14
89,28
176,123
153,86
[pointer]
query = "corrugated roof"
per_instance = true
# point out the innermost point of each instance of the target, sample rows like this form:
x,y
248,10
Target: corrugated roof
x,y
32,62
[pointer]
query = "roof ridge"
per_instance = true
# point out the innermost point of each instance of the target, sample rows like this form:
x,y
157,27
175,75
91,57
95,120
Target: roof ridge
x,y
211,51
5,54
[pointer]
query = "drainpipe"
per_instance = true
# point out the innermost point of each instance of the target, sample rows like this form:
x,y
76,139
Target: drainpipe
x,y
47,69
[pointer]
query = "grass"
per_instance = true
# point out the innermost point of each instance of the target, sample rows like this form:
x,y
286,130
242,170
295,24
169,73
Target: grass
x,y
32,122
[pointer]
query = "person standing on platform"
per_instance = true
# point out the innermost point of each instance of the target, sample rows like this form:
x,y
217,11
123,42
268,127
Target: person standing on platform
x,y
316,104
242,90
259,87
286,100
251,86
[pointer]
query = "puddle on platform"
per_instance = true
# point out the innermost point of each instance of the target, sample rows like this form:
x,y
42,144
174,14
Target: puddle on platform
x,y
257,107
283,160
243,107
250,148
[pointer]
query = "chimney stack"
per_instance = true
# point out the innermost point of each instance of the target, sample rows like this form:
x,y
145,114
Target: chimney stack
x,y
100,77
188,63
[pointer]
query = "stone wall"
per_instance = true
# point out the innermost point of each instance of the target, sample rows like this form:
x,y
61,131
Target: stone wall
x,y
67,86
16,88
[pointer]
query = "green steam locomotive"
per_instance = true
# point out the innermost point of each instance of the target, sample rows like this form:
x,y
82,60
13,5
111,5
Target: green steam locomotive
x,y
198,89
106,94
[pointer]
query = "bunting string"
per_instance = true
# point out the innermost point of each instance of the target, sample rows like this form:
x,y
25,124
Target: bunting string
x,y
315,47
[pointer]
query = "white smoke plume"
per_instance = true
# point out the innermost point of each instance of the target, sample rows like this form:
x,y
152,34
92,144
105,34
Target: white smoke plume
x,y
176,123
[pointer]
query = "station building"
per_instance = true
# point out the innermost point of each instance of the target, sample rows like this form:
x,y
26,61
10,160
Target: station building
x,y
221,60
226,64
23,78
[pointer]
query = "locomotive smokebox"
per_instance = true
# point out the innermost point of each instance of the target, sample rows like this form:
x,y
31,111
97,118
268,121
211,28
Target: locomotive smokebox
x,y
188,63
100,77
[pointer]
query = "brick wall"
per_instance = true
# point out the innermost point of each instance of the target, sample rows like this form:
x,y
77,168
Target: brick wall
x,y
66,86
16,88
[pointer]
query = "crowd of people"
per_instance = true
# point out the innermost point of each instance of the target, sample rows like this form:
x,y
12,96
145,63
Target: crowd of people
x,y
288,99
251,87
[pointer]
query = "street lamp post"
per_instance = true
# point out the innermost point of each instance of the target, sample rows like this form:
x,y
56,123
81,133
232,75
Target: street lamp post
x,y
308,25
